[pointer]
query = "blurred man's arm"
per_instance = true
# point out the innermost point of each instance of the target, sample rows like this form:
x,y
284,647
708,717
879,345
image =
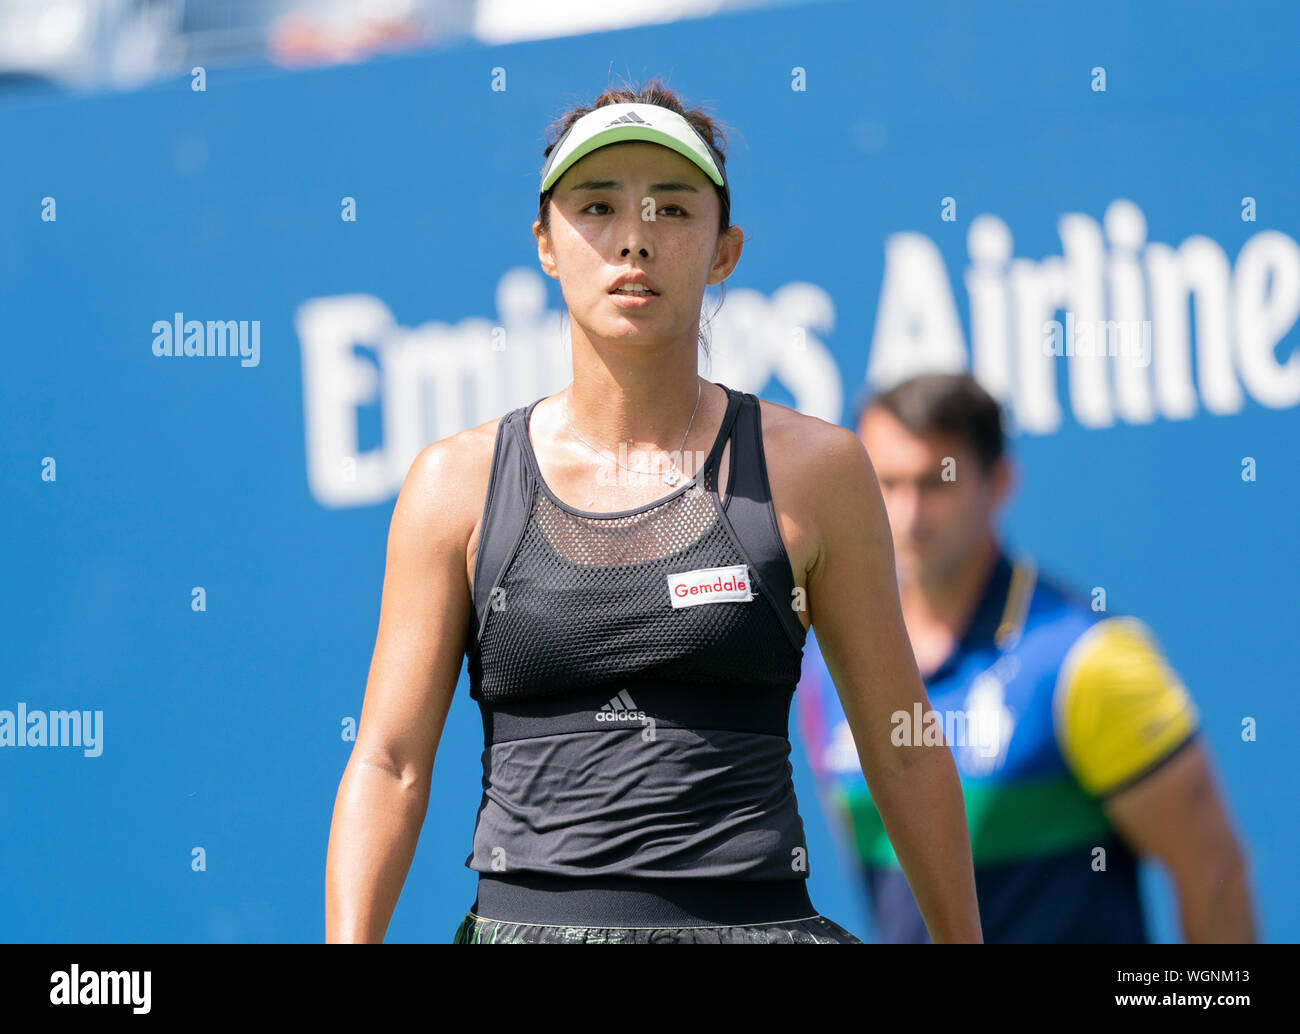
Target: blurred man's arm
x,y
1176,814
1129,731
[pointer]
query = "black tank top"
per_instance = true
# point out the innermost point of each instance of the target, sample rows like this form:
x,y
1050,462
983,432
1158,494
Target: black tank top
x,y
635,671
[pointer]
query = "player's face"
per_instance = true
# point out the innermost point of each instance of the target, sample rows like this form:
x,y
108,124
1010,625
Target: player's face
x,y
640,207
940,501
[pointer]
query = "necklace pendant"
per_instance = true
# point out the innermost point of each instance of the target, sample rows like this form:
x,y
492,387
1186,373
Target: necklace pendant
x,y
671,477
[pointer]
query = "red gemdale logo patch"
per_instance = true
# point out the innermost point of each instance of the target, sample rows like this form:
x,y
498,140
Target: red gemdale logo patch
x,y
710,585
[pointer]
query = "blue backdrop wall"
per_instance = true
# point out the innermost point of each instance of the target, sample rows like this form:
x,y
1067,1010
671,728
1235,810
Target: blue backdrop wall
x,y
921,188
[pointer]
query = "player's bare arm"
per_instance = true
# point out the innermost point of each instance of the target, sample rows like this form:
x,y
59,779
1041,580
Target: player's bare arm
x,y
854,604
384,792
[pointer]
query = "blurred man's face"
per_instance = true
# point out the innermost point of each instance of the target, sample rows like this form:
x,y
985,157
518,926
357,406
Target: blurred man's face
x,y
937,524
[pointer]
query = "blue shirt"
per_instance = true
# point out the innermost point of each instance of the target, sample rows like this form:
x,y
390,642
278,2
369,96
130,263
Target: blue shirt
x,y
1049,707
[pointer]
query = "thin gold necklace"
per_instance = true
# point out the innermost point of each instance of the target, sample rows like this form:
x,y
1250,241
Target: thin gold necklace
x,y
670,476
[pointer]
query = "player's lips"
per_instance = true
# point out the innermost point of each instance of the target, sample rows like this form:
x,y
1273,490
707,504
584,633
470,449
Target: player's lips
x,y
633,298
633,301
633,285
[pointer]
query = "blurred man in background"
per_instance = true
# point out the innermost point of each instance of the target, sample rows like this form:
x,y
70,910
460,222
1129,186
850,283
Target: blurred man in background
x,y
1077,745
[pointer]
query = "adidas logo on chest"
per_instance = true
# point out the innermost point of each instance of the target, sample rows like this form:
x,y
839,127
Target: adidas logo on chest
x,y
620,708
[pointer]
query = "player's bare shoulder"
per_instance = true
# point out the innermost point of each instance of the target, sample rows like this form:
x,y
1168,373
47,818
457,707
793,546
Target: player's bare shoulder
x,y
804,453
447,485
805,458
829,484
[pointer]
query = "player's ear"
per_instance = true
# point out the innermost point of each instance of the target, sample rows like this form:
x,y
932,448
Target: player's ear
x,y
545,253
726,254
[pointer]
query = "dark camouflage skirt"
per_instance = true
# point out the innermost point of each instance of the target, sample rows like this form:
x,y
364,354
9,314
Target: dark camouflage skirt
x,y
816,930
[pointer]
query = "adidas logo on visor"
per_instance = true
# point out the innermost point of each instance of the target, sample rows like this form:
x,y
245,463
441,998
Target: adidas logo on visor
x,y
631,116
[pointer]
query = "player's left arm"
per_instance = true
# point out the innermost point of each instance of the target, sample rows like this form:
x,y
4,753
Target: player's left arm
x,y
853,602
1130,733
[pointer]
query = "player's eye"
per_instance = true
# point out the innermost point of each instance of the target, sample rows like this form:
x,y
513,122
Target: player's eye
x,y
678,210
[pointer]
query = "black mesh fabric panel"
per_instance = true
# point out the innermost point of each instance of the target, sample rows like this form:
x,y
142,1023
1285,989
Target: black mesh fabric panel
x,y
585,604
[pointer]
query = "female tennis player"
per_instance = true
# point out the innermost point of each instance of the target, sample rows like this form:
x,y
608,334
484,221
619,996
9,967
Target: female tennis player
x,y
632,566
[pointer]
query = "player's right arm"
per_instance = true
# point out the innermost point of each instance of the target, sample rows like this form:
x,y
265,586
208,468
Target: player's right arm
x,y
384,792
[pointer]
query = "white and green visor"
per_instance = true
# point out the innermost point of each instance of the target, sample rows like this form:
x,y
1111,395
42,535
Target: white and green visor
x,y
615,123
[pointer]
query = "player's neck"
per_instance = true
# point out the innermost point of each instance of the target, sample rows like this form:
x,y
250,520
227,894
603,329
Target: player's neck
x,y
645,397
